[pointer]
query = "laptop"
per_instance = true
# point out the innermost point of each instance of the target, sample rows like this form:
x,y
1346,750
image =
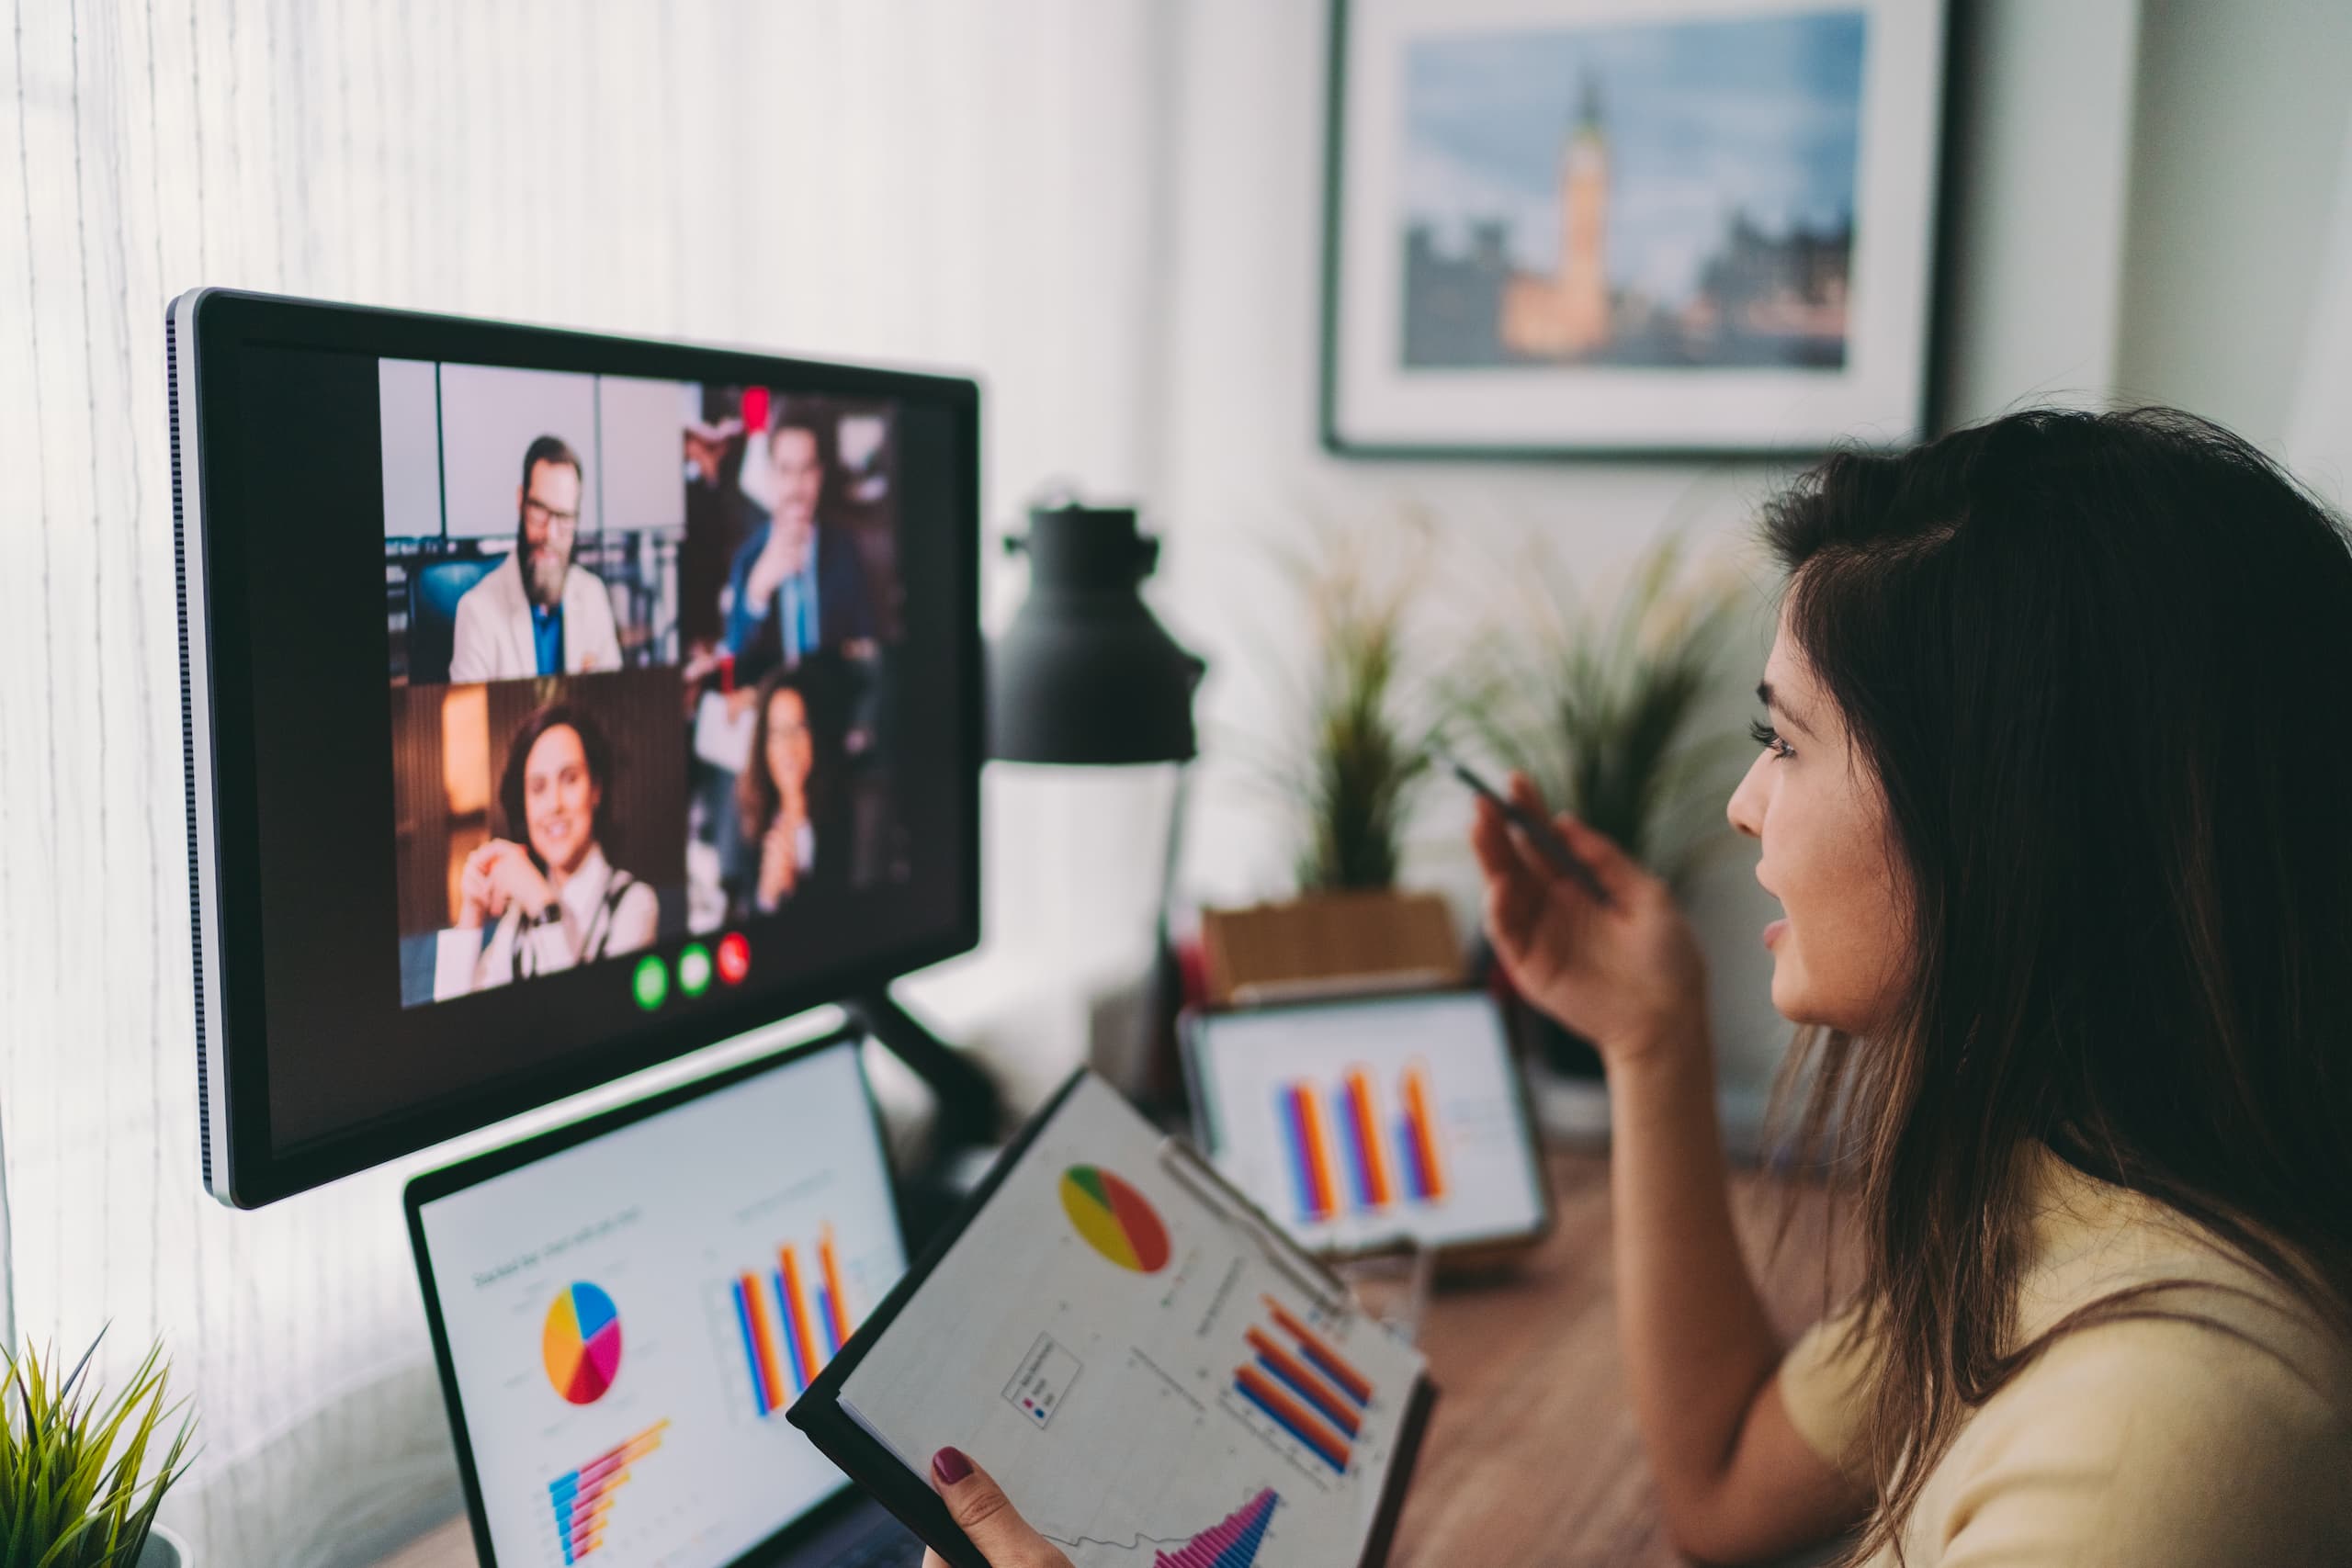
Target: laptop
x,y
624,1308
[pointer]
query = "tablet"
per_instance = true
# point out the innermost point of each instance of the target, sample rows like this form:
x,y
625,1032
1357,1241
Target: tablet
x,y
1359,1121
1150,1368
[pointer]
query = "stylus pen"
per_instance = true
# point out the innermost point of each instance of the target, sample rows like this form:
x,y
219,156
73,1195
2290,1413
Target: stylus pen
x,y
1542,834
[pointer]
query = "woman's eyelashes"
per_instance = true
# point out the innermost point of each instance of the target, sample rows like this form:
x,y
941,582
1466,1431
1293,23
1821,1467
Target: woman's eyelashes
x,y
1764,735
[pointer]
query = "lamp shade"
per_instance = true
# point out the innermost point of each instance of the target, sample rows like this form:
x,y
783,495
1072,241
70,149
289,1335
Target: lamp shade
x,y
1085,675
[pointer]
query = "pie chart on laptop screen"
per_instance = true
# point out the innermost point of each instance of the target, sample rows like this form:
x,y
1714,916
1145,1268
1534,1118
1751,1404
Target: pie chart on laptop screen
x,y
582,1343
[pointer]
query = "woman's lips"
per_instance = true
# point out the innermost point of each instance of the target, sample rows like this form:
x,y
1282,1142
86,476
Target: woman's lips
x,y
1772,932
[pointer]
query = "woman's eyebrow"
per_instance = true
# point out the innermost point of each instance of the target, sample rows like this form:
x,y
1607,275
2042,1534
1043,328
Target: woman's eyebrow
x,y
1764,694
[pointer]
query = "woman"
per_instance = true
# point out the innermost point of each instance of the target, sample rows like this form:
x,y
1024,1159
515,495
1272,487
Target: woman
x,y
792,842
555,902
2051,791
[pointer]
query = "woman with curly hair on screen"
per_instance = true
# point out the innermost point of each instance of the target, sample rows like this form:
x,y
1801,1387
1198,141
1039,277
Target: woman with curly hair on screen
x,y
549,898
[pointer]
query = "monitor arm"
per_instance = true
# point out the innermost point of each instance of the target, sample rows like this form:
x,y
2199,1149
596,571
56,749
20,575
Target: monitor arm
x,y
969,1106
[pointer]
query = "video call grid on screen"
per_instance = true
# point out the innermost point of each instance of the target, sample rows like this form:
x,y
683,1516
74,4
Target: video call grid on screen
x,y
634,630
410,925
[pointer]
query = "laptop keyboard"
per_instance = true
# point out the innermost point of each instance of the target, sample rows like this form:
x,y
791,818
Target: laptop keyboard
x,y
887,1546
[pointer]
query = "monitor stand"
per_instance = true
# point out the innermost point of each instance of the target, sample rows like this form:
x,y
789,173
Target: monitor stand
x,y
969,1106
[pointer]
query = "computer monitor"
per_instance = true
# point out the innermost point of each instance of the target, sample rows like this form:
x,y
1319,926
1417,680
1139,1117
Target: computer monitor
x,y
554,705
622,1311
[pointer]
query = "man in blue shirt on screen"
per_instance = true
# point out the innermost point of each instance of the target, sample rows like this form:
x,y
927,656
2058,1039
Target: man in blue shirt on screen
x,y
537,613
797,587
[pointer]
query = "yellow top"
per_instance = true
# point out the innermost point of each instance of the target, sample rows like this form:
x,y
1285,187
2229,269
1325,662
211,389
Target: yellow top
x,y
2151,1444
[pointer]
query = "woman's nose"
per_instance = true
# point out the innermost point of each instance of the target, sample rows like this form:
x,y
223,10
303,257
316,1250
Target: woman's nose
x,y
1746,809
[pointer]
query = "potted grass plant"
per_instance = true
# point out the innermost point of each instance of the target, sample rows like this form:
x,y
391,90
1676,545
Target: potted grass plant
x,y
1349,772
1369,714
1607,707
82,1473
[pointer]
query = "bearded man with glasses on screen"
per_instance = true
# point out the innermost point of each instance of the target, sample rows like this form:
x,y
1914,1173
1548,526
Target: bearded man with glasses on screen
x,y
537,613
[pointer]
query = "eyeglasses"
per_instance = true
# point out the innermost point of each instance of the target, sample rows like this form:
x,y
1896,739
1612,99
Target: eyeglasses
x,y
546,516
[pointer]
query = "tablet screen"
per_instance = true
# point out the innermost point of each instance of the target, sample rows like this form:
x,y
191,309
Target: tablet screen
x,y
627,1319
1355,1121
1152,1378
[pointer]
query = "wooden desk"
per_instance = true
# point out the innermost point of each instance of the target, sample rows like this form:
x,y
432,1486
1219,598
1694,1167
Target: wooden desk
x,y
1532,1457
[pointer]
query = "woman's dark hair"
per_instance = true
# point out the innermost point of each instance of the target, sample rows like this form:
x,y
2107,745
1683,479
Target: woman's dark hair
x,y
593,746
2101,668
817,681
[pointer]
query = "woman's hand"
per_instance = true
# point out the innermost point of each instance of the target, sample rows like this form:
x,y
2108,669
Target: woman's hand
x,y
779,861
517,881
480,893
498,874
1627,977
980,1510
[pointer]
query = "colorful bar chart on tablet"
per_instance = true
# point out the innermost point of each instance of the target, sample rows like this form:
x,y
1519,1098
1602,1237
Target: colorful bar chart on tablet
x,y
792,1319
582,1500
1345,1156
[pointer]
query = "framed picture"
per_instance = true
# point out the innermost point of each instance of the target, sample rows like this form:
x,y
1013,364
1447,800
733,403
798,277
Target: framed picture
x,y
1635,227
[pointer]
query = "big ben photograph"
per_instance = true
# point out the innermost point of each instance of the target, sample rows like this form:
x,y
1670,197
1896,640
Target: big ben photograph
x,y
1594,225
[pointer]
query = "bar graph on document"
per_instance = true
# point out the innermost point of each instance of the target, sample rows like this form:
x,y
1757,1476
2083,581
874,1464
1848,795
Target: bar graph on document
x,y
1233,1543
1346,1156
790,1317
1304,1388
581,1501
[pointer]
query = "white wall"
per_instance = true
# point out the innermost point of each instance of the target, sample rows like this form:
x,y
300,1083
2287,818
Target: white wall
x,y
2038,227
2239,136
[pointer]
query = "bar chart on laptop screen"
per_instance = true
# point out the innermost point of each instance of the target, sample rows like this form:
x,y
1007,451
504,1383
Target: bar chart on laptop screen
x,y
783,1297
792,1315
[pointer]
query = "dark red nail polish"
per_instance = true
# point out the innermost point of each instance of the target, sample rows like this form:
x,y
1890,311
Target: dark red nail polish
x,y
950,1466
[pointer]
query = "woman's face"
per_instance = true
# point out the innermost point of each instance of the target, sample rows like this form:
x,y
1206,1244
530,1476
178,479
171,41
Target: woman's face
x,y
790,753
1819,812
560,799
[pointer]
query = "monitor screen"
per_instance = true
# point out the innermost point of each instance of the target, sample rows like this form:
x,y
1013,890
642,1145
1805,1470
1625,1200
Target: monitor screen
x,y
1355,1122
623,1321
558,703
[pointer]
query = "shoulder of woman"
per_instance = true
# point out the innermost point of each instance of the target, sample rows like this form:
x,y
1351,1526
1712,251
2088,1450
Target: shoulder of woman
x,y
2153,1441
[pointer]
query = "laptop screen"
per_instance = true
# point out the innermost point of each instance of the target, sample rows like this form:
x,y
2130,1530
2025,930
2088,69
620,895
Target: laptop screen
x,y
628,1317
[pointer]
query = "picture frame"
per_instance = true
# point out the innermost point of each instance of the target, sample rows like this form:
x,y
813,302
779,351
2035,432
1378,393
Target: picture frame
x,y
1630,227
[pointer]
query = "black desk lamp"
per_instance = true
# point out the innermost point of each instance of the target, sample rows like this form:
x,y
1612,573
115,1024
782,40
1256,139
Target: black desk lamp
x,y
1086,677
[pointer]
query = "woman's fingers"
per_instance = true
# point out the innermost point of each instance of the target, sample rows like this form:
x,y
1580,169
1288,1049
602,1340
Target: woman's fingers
x,y
1617,871
982,1512
1514,896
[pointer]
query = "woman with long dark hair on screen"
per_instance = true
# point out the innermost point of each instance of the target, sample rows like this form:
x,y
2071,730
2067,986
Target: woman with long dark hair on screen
x,y
2051,787
550,899
794,841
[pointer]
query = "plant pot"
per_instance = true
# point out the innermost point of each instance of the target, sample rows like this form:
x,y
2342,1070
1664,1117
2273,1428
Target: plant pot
x,y
165,1549
1330,943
